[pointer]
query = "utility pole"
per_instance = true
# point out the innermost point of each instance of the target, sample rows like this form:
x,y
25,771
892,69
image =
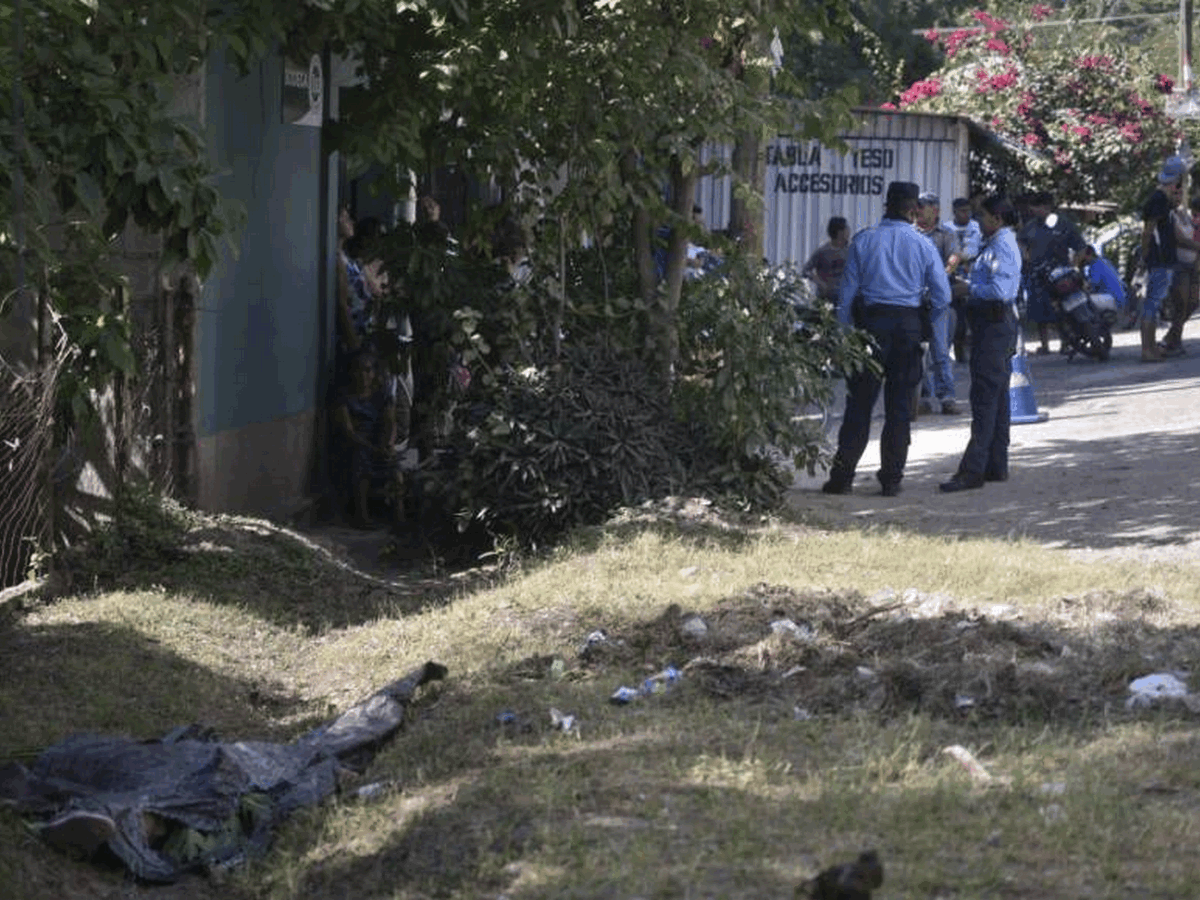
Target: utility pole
x,y
1186,90
1185,45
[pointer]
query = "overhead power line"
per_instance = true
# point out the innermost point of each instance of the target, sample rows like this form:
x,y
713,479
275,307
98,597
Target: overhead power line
x,y
1104,20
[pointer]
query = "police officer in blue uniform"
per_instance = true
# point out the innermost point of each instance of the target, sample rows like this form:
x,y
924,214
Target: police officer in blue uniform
x,y
992,317
891,269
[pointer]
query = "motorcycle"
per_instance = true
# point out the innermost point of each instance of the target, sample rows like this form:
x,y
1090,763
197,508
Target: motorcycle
x,y
1085,319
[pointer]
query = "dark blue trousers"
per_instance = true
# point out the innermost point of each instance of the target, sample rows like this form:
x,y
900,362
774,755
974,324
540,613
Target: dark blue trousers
x,y
993,342
897,335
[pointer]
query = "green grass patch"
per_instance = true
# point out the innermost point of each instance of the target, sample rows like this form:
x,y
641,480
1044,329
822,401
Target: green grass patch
x,y
780,750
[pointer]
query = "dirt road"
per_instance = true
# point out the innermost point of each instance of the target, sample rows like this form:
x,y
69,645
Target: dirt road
x,y
1112,469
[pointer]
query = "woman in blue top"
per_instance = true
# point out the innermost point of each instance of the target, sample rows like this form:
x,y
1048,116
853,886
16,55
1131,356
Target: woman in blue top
x,y
991,313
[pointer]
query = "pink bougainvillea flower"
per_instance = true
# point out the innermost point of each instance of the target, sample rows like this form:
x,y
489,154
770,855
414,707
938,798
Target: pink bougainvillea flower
x,y
1032,140
957,38
1040,11
918,90
1144,105
888,105
990,22
997,46
1131,133
1163,84
1003,80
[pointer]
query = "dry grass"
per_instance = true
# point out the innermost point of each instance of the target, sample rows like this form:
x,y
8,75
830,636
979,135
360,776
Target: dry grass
x,y
781,749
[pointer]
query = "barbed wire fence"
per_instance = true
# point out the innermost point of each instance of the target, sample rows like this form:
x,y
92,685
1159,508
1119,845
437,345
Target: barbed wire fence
x,y
61,479
27,399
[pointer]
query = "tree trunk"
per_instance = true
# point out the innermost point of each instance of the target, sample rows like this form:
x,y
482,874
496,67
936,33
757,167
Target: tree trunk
x,y
662,299
643,236
666,309
745,208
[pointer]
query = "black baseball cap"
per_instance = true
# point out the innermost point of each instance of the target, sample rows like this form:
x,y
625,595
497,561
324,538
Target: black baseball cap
x,y
902,190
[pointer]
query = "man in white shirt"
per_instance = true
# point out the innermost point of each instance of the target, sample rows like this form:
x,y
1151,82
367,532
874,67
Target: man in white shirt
x,y
966,231
967,240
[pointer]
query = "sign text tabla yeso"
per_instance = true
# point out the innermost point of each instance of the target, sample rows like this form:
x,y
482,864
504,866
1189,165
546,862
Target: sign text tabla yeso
x,y
798,169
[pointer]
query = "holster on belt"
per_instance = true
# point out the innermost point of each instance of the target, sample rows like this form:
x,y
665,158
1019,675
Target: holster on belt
x,y
991,310
926,310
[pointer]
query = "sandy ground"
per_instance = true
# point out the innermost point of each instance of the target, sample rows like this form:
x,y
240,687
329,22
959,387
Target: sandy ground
x,y
1112,469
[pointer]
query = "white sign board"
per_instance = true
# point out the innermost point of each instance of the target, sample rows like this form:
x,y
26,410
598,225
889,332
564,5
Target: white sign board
x,y
304,92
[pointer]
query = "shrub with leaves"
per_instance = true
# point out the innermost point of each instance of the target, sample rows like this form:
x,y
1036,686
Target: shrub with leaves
x,y
146,530
555,447
542,448
759,352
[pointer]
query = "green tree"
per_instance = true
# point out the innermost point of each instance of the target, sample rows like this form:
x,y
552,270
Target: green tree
x,y
93,142
1084,109
880,49
591,115
597,119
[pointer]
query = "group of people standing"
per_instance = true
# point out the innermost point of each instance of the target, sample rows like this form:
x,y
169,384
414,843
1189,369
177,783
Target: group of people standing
x,y
373,383
1168,251
957,242
371,405
896,284
903,280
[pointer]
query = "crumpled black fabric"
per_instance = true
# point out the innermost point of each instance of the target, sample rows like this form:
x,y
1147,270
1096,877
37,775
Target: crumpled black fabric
x,y
133,797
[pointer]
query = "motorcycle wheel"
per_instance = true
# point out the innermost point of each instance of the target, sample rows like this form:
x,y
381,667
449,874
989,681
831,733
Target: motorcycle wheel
x,y
1101,345
1072,340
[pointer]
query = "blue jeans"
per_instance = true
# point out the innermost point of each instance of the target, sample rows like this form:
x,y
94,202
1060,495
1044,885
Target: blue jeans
x,y
992,346
1158,286
897,336
939,372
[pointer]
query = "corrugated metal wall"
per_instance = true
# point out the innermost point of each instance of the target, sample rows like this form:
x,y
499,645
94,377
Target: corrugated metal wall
x,y
807,183
713,195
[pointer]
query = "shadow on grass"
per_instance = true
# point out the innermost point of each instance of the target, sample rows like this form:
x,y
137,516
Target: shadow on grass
x,y
338,577
624,839
290,578
105,678
782,749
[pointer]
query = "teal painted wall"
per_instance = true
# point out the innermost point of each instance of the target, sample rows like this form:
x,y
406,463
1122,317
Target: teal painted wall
x,y
262,327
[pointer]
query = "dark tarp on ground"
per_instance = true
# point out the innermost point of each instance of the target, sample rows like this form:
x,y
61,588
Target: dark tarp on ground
x,y
187,800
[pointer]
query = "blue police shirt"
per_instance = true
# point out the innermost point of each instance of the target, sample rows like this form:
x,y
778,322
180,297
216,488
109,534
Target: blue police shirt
x,y
996,273
1101,273
893,264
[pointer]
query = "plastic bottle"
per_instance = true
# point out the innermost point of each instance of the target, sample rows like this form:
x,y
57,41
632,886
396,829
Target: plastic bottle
x,y
660,683
623,695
